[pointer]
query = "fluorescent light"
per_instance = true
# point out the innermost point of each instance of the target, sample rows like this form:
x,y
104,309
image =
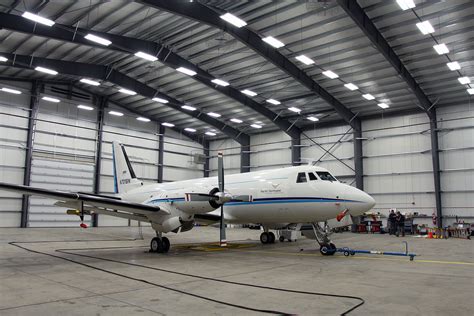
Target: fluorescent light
x,y
214,114
330,74
256,126
464,80
368,96
220,82
3,59
186,71
146,56
97,39
143,119
273,101
85,107
383,105
210,133
91,82
293,109
232,19
49,99
167,124
441,49
191,130
425,27
406,4
160,100
126,91
116,113
249,92
313,118
11,90
236,120
454,66
470,91
188,107
46,70
273,41
351,86
37,18
305,60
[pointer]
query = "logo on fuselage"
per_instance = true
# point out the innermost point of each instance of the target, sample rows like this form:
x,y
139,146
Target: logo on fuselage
x,y
125,181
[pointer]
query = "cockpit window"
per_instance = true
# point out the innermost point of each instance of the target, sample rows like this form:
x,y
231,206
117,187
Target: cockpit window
x,y
312,176
326,176
301,177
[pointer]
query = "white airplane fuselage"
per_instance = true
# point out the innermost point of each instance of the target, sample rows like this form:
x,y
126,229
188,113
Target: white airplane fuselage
x,y
277,197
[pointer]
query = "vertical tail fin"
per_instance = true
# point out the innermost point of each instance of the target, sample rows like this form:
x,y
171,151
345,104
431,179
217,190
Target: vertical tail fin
x,y
124,176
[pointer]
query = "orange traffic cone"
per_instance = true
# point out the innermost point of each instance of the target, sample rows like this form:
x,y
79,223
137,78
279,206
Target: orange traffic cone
x,y
430,235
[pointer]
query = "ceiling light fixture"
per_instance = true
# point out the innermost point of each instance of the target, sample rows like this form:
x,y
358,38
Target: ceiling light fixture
x,y
249,92
305,60
232,19
3,59
273,101
188,107
160,100
454,66
425,27
186,71
220,82
37,18
189,129
236,120
406,4
11,90
46,70
143,119
49,99
470,91
368,96
116,113
214,114
256,126
98,39
464,80
273,41
351,86
441,49
146,56
383,105
167,124
126,91
330,74
85,107
313,118
294,109
91,82
210,133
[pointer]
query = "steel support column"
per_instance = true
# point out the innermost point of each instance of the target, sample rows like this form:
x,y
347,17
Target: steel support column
x,y
245,156
161,146
206,149
358,160
436,168
101,103
296,151
25,204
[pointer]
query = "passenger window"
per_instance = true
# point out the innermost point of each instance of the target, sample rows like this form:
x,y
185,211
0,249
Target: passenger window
x,y
326,176
301,177
312,176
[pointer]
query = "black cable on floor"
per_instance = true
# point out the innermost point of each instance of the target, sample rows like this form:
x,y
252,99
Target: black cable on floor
x,y
67,251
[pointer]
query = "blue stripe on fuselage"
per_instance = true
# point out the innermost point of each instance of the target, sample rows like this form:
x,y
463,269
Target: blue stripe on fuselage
x,y
276,200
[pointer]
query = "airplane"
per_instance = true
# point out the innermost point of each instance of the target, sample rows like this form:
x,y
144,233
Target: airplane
x,y
273,199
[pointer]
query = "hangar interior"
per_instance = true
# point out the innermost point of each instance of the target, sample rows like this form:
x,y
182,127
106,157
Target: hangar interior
x,y
377,92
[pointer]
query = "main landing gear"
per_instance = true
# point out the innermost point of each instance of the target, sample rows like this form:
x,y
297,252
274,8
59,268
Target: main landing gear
x,y
327,248
160,244
267,237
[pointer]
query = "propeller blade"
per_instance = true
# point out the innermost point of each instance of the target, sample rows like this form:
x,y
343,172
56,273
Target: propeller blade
x,y
223,241
199,197
220,171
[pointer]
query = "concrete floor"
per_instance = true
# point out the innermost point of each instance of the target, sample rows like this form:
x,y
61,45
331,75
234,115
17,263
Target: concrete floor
x,y
440,281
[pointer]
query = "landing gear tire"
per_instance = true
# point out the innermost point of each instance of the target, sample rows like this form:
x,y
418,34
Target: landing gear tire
x,y
272,238
282,239
166,244
328,250
264,238
160,245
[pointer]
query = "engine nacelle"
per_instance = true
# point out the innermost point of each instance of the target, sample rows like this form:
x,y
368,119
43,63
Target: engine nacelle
x,y
168,225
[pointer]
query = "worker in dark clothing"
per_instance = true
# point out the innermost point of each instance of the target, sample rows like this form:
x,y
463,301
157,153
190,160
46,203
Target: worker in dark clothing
x,y
391,222
400,220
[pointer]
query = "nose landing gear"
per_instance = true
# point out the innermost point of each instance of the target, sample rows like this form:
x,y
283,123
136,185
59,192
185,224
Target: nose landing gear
x,y
327,248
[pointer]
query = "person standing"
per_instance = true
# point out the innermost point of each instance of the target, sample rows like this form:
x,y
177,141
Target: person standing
x,y
391,222
400,220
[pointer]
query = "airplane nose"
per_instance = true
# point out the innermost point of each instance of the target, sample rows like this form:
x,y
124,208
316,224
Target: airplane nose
x,y
369,201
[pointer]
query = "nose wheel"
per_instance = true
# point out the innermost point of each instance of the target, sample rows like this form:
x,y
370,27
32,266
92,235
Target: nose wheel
x,y
160,245
327,248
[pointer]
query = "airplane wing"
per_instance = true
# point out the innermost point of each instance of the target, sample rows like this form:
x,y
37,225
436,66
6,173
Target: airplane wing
x,y
113,206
